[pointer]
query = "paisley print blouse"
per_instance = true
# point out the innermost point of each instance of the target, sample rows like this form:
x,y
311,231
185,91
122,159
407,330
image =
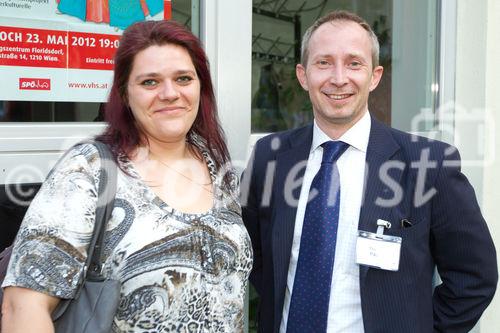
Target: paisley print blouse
x,y
179,272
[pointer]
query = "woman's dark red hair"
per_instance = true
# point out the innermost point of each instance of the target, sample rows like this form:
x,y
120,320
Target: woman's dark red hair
x,y
122,133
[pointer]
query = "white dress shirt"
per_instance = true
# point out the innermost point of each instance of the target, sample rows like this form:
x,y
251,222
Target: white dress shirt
x,y
344,312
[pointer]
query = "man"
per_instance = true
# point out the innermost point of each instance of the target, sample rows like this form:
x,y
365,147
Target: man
x,y
363,260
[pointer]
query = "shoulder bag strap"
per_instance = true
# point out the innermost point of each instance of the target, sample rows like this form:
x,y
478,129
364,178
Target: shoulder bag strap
x,y
105,204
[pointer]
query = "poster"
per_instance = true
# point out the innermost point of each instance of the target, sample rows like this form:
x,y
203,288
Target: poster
x,y
62,50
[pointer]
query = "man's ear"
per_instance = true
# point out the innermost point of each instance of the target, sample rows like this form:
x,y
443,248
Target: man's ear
x,y
376,76
300,71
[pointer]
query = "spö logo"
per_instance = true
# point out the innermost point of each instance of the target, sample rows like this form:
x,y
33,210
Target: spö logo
x,y
33,84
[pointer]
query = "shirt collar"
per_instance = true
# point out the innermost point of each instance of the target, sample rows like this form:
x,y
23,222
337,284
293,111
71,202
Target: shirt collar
x,y
357,136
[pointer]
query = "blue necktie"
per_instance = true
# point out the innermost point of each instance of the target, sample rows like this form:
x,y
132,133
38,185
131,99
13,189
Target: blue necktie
x,y
311,287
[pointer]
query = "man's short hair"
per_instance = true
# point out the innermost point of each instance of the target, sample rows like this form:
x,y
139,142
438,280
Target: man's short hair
x,y
339,15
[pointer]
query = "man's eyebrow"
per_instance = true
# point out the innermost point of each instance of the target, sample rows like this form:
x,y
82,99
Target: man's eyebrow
x,y
356,55
349,55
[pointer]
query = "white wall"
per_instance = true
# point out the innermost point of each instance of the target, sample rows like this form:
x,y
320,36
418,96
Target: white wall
x,y
477,73
226,31
470,83
491,192
29,150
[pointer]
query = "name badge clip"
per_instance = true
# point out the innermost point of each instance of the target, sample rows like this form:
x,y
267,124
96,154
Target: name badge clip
x,y
381,225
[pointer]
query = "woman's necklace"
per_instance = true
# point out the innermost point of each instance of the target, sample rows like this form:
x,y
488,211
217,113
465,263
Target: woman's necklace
x,y
202,185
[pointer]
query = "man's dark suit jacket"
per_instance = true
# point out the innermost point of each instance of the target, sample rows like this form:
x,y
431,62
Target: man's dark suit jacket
x,y
447,232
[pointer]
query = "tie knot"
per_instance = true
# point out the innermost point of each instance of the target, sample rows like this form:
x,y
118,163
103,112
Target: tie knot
x,y
332,150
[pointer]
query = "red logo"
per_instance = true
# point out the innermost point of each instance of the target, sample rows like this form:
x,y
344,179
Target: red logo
x,y
33,84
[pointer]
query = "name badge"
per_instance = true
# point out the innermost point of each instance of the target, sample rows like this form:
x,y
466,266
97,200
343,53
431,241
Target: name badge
x,y
378,250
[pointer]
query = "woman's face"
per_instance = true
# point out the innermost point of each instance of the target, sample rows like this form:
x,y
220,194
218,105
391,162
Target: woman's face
x,y
164,92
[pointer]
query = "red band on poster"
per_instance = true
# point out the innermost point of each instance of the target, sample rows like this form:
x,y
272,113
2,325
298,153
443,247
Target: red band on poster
x,y
92,51
167,10
33,47
29,47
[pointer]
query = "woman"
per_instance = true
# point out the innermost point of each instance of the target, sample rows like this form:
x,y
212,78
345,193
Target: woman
x,y
175,240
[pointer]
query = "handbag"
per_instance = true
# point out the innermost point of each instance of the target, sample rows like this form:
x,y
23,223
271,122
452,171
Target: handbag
x,y
94,306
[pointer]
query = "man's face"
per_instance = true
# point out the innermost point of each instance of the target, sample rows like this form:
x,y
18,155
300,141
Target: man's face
x,y
339,75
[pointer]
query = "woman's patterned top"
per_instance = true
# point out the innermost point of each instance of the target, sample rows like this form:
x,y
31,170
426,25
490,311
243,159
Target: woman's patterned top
x,y
180,272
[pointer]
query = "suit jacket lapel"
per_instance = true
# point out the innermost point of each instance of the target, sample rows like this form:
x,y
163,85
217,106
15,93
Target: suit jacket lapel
x,y
381,147
291,161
